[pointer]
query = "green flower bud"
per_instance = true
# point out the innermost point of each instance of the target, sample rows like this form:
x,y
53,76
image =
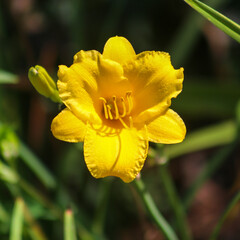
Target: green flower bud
x,y
43,83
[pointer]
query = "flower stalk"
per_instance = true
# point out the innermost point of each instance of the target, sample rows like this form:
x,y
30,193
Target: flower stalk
x,y
157,217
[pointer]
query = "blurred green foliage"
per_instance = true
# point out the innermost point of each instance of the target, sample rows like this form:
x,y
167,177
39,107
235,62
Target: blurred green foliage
x,y
44,182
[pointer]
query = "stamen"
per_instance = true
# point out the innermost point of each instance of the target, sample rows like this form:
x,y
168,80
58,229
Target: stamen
x,y
118,108
123,123
104,107
130,122
109,112
115,108
123,108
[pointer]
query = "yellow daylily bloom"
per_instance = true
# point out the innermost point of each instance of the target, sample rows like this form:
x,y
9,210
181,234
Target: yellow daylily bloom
x,y
116,102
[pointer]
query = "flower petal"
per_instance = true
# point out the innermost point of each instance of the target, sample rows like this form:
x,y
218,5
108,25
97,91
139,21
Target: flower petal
x,y
67,127
78,86
168,128
115,152
155,82
118,49
111,80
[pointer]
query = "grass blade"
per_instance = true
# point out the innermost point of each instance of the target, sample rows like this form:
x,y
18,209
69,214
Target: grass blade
x,y
153,211
175,202
36,166
8,78
219,20
17,220
216,230
69,226
216,135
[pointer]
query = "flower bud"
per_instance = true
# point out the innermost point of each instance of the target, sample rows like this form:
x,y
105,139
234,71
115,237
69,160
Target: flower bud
x,y
43,83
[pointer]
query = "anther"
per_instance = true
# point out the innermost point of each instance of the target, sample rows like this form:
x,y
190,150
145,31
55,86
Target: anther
x,y
109,112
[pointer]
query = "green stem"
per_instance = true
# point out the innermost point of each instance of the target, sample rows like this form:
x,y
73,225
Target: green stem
x,y
69,226
157,217
216,230
175,203
17,220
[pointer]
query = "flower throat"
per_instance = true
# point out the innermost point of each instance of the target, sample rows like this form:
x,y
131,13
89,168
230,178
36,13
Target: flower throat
x,y
117,108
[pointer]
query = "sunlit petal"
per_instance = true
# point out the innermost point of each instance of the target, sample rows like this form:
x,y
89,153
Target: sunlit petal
x,y
168,128
155,82
115,153
67,127
78,88
118,49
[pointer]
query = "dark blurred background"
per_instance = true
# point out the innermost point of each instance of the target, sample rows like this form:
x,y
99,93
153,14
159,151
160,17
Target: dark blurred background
x,y
50,32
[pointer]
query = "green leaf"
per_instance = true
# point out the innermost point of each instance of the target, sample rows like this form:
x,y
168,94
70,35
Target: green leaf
x,y
152,210
175,202
7,174
9,143
6,77
225,24
222,219
216,135
17,220
69,226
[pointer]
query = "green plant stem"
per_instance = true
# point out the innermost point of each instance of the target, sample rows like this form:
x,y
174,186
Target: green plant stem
x,y
69,226
175,202
151,208
17,220
216,230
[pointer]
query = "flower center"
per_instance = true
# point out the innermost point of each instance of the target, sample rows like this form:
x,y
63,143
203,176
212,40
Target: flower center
x,y
117,108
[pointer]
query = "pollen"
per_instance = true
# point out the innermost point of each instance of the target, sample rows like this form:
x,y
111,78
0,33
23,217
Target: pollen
x,y
118,108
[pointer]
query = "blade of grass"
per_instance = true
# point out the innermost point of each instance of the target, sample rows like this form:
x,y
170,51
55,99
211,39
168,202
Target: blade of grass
x,y
69,226
7,174
175,202
187,36
216,135
151,208
4,216
8,78
36,166
17,220
222,22
216,230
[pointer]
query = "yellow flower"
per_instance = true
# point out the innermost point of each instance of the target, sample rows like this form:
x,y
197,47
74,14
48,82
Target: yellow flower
x,y
116,102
